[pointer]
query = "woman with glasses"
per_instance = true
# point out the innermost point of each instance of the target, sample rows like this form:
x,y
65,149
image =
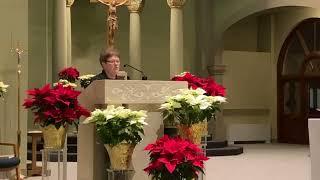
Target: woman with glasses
x,y
110,63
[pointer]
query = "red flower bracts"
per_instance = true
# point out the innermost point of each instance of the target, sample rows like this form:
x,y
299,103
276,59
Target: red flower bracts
x,y
174,158
57,105
71,74
208,84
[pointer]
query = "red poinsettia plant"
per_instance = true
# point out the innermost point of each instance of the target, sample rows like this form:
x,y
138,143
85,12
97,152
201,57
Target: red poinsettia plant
x,y
56,105
70,74
208,84
174,159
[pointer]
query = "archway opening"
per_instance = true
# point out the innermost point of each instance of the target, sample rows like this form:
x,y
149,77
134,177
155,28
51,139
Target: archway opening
x,y
298,81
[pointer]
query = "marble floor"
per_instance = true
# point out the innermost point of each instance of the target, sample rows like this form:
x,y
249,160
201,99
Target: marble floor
x,y
258,162
263,162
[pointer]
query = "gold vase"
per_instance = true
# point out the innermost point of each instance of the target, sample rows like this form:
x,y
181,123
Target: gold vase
x,y
120,155
54,138
193,133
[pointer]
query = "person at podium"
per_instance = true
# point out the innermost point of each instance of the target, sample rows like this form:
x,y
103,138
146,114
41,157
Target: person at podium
x,y
110,63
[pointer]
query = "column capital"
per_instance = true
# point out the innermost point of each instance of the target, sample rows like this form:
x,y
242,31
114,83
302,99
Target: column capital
x,y
176,3
69,3
135,5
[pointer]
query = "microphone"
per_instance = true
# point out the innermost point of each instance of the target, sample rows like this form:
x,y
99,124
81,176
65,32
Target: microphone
x,y
144,77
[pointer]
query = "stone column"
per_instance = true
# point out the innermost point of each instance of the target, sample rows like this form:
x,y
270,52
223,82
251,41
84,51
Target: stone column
x,y
59,40
69,40
135,7
204,37
176,36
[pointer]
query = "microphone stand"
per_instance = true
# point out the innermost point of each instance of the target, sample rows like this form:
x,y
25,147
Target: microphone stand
x,y
144,77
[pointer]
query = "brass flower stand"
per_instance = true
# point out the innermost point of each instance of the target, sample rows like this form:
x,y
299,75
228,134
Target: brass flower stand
x,y
48,163
120,174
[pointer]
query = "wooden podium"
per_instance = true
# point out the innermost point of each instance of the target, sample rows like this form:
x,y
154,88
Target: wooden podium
x,y
135,94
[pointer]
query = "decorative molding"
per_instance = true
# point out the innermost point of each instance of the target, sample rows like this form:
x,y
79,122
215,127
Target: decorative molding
x,y
135,6
109,2
133,91
176,3
69,3
138,92
218,69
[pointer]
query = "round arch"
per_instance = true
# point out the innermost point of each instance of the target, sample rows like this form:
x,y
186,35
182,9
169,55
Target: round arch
x,y
256,7
298,76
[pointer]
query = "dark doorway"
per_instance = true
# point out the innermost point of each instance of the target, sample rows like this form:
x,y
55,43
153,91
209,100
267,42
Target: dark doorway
x,y
299,82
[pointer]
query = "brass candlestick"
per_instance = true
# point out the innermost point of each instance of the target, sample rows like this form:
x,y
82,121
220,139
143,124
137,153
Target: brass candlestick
x,y
18,51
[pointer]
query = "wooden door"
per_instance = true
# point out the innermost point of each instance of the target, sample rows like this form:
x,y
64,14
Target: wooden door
x,y
299,82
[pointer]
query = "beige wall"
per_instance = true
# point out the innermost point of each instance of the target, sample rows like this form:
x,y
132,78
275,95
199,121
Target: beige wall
x,y
248,88
250,34
13,19
39,50
242,36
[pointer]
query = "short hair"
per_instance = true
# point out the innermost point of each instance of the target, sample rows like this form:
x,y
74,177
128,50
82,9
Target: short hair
x,y
107,53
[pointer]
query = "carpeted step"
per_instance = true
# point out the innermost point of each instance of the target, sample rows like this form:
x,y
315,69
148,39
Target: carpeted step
x,y
216,144
226,151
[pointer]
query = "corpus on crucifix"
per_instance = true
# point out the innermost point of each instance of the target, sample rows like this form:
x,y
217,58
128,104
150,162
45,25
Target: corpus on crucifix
x,y
112,20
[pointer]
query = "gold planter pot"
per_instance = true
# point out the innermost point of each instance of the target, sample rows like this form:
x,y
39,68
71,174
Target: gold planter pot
x,y
193,132
54,138
120,155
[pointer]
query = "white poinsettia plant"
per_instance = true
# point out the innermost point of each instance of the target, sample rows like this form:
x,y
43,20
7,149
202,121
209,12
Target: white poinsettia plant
x,y
117,124
3,88
65,83
190,106
85,80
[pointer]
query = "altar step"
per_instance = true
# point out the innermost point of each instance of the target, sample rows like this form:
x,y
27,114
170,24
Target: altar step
x,y
71,150
214,148
221,148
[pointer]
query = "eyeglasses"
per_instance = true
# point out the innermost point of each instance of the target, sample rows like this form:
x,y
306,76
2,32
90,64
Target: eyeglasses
x,y
113,62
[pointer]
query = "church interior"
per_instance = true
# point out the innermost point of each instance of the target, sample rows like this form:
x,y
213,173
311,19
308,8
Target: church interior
x,y
266,54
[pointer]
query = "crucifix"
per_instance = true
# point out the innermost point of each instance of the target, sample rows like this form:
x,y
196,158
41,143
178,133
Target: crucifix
x,y
112,20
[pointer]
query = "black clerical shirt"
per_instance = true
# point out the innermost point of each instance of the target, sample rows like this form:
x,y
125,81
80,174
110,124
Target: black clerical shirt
x,y
100,76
